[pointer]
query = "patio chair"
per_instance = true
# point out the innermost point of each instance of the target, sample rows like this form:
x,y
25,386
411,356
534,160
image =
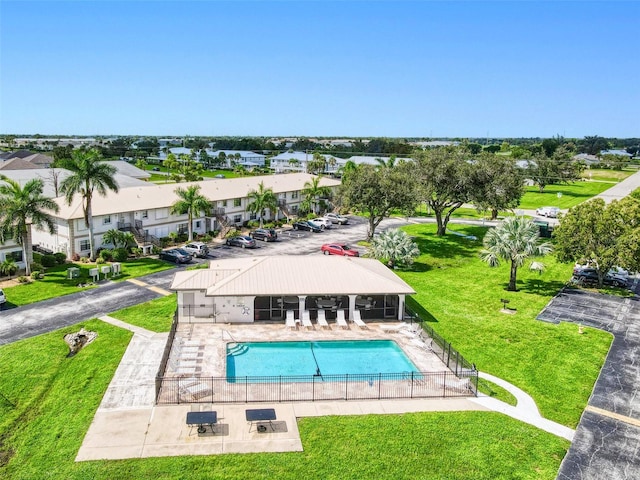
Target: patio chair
x,y
357,319
291,319
340,320
306,319
322,319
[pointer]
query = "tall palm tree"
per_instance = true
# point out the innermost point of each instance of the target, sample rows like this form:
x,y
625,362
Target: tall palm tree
x,y
263,198
389,163
22,207
191,202
88,176
514,240
312,191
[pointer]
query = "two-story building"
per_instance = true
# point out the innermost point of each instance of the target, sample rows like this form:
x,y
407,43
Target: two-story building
x,y
146,210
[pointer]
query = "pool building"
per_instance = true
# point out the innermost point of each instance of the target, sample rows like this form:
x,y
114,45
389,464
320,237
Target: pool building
x,y
264,289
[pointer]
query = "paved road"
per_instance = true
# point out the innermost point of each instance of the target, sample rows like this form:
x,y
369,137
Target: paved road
x,y
42,317
607,440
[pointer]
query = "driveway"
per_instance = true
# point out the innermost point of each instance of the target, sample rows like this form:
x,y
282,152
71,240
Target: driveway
x,y
606,442
42,317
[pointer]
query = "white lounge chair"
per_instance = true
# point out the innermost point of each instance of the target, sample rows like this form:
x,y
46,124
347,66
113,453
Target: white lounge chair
x,y
306,319
340,320
291,319
322,319
357,319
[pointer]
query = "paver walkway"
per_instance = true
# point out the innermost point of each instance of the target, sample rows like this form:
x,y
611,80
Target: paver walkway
x,y
607,441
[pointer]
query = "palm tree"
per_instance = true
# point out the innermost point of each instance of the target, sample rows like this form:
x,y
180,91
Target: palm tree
x,y
22,207
394,247
313,191
8,267
88,175
390,163
514,240
263,198
118,238
191,202
349,167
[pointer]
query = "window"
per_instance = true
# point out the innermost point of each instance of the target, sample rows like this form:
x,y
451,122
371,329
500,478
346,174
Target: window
x,y
15,256
237,202
237,219
294,195
106,220
145,214
294,208
198,224
223,203
162,213
84,245
253,216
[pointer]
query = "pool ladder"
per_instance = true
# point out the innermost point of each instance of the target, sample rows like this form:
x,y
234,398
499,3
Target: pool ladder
x,y
236,349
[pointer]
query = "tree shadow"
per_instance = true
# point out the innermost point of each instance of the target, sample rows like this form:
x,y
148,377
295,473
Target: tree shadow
x,y
538,286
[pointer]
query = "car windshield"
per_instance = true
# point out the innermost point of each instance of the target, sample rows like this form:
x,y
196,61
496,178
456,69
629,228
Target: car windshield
x,y
346,247
182,252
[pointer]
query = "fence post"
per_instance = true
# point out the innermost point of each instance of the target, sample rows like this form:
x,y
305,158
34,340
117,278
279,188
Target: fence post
x,y
411,390
280,389
444,384
346,386
313,388
379,384
246,389
448,355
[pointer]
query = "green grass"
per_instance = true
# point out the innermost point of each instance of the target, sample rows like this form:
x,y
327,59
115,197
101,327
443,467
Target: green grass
x,y
496,391
45,412
204,173
572,195
461,295
56,284
603,175
155,315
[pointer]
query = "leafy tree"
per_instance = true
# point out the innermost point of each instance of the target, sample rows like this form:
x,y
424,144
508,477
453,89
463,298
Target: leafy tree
x,y
20,209
262,199
549,146
491,148
317,164
497,183
593,145
474,148
602,235
377,192
142,164
514,240
312,192
88,176
61,152
444,177
559,168
349,167
191,202
395,248
389,163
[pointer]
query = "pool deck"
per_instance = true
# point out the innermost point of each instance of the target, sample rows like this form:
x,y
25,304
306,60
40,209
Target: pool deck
x,y
128,424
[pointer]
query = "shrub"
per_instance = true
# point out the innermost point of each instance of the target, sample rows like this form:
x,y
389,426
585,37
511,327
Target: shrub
x,y
84,260
75,257
37,257
106,255
253,224
61,258
48,261
100,261
156,250
120,254
23,279
35,275
137,252
37,266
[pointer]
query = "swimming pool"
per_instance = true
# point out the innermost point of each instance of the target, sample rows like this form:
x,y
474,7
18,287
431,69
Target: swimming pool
x,y
268,359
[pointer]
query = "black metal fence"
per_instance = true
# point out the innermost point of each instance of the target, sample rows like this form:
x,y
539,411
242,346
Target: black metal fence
x,y
165,355
449,356
313,388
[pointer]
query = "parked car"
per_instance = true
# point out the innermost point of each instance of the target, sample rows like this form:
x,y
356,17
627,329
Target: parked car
x,y
590,276
323,222
197,249
176,255
308,226
265,234
156,169
3,299
220,175
550,212
243,241
339,249
337,218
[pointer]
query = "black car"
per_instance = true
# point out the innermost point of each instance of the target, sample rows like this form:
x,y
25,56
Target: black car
x,y
265,234
589,276
308,226
176,255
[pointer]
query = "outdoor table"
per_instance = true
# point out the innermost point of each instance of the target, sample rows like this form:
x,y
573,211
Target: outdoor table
x,y
256,415
202,419
291,300
325,303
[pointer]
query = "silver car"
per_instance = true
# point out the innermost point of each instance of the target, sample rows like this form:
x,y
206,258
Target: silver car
x,y
197,249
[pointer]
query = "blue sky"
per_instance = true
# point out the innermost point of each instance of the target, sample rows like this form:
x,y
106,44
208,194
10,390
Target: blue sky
x,y
396,69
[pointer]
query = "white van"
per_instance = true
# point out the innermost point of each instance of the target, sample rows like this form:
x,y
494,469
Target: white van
x,y
550,212
3,299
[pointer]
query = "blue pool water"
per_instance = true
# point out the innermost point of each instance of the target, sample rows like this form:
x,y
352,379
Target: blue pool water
x,y
261,359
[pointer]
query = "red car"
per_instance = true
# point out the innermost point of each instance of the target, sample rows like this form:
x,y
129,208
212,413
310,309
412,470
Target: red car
x,y
339,249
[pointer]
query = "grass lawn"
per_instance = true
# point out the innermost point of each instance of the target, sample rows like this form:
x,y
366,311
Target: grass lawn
x,y
56,284
155,315
45,412
572,195
604,175
553,363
